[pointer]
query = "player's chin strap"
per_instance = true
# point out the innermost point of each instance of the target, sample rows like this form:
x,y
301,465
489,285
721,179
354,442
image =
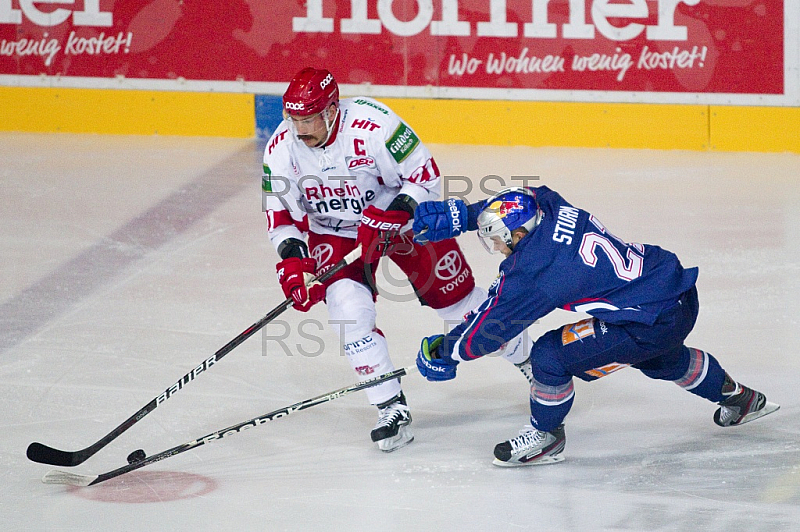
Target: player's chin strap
x,y
330,124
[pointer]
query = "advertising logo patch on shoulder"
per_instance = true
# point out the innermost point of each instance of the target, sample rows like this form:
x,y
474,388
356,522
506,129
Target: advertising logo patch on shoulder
x,y
402,142
361,101
266,179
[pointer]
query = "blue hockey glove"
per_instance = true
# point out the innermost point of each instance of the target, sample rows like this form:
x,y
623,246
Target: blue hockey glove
x,y
439,220
430,365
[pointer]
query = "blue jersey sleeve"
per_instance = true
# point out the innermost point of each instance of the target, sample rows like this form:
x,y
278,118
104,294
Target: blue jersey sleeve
x,y
512,306
473,211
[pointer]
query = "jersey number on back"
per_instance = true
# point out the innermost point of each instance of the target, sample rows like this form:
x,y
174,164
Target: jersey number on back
x,y
626,268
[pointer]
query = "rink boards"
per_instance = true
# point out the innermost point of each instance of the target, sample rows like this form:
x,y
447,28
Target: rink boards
x,y
456,121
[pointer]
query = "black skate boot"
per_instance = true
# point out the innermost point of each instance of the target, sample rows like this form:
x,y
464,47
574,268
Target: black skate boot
x,y
531,447
392,432
742,405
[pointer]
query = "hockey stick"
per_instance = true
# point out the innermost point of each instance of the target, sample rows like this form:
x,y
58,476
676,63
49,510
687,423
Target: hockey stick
x,y
74,479
44,454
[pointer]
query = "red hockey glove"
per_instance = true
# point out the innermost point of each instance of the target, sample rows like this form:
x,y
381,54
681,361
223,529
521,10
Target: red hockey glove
x,y
295,276
379,230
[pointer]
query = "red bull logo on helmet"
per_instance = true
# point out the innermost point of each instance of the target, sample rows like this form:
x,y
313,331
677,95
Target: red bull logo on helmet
x,y
504,207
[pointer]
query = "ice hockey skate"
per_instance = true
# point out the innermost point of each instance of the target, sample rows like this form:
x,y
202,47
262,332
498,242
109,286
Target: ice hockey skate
x,y
392,432
743,405
531,447
526,369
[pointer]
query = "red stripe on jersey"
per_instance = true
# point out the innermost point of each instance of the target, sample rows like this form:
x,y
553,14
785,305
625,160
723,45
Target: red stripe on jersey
x,y
303,224
477,326
282,217
276,219
571,306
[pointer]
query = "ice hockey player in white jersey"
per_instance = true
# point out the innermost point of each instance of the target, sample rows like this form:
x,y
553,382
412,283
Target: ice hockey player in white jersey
x,y
347,173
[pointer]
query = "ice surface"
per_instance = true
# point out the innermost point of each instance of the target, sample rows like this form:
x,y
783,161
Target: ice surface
x,y
127,261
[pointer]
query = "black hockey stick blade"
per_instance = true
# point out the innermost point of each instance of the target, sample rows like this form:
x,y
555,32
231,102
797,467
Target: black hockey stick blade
x,y
76,479
43,454
38,452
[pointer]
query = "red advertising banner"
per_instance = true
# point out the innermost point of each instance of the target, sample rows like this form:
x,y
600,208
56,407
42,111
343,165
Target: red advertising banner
x,y
675,46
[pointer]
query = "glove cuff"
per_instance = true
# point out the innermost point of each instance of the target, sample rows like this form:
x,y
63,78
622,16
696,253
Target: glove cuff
x,y
309,265
393,216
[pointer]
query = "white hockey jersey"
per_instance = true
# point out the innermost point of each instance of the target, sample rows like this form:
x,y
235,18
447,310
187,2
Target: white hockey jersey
x,y
373,158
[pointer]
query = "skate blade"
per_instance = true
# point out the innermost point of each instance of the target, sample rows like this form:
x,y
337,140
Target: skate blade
x,y
403,438
542,461
768,409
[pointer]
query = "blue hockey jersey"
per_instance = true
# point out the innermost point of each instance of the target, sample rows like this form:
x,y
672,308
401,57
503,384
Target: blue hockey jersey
x,y
570,261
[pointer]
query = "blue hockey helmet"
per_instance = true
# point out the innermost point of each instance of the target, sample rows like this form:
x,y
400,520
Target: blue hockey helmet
x,y
511,208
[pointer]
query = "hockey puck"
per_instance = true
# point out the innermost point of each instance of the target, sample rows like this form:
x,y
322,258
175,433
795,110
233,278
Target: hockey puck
x,y
136,456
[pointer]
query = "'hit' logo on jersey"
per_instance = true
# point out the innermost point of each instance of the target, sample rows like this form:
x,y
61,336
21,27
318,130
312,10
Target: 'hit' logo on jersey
x,y
278,138
364,124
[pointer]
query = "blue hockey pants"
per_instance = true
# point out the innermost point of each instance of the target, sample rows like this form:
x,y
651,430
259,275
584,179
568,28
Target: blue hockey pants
x,y
592,348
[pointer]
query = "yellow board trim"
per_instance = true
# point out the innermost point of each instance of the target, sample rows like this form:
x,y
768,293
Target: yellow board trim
x,y
594,125
760,129
127,112
573,124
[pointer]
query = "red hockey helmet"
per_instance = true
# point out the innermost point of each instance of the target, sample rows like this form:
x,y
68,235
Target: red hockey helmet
x,y
311,91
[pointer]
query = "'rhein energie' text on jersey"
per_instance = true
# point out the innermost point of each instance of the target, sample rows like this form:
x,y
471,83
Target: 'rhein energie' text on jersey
x,y
373,158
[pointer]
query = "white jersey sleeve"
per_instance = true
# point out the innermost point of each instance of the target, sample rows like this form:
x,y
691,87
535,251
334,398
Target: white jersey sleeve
x,y
280,198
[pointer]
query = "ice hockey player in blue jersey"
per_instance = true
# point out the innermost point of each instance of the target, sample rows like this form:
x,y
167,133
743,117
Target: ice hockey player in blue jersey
x,y
642,302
